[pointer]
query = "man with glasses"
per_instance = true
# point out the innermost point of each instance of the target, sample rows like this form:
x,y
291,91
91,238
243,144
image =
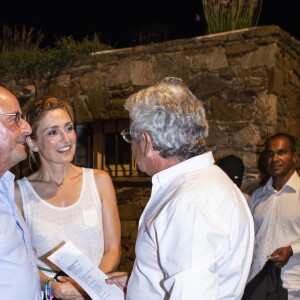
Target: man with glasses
x,y
195,238
18,271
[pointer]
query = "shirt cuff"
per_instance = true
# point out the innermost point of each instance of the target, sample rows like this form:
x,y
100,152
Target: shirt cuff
x,y
295,248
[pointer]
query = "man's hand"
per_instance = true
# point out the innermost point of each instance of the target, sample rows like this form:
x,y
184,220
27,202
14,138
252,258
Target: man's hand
x,y
66,288
120,279
281,256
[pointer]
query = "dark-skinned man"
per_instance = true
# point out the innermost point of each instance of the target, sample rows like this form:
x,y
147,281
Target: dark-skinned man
x,y
276,212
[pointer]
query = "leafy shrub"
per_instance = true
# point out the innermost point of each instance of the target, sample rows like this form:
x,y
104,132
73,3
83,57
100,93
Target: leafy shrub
x,y
20,50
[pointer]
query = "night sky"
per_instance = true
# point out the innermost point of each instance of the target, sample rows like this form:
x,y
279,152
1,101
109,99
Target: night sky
x,y
119,22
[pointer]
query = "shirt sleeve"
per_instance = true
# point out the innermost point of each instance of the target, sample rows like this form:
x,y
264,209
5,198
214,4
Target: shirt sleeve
x,y
296,247
195,246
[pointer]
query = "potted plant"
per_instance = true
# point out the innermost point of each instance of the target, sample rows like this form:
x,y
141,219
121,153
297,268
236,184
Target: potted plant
x,y
227,15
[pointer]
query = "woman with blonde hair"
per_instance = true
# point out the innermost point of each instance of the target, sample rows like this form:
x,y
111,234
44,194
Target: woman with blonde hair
x,y
61,201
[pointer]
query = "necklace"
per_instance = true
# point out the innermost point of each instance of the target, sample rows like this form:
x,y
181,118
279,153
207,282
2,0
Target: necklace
x,y
59,185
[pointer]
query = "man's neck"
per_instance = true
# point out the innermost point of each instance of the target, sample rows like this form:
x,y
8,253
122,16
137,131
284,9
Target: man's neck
x,y
2,172
280,181
164,163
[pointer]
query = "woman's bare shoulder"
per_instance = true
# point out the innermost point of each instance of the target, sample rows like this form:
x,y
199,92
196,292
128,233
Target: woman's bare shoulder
x,y
101,174
102,178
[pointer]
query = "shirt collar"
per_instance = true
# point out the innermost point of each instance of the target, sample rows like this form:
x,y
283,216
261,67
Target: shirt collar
x,y
7,187
192,164
293,183
7,176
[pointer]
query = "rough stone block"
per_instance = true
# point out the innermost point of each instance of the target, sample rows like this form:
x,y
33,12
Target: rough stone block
x,y
226,73
294,79
130,211
250,135
241,48
141,72
92,80
128,227
81,110
216,135
119,75
265,109
263,56
58,91
224,112
276,81
98,100
213,60
205,85
253,81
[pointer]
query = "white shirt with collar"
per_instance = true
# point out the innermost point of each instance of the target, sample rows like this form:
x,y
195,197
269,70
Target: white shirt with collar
x,y
277,224
195,238
19,277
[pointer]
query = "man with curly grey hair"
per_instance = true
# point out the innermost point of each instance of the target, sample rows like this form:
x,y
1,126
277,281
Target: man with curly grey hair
x,y
195,238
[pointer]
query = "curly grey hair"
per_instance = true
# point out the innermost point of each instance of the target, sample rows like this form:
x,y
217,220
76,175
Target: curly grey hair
x,y
171,114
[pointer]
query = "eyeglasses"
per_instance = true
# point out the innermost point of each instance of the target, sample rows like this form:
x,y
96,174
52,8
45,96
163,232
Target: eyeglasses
x,y
18,117
126,135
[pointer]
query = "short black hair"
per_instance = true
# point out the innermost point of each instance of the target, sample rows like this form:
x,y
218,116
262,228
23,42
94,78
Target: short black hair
x,y
291,138
234,167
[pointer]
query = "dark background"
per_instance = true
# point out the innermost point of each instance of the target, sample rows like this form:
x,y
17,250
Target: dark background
x,y
122,23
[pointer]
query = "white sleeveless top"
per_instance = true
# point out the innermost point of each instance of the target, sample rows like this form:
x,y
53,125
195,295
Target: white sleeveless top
x,y
52,226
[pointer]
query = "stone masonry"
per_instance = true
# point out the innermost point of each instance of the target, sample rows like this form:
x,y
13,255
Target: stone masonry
x,y
248,81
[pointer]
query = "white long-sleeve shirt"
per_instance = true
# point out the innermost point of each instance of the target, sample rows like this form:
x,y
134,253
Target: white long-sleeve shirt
x,y
19,278
277,224
195,238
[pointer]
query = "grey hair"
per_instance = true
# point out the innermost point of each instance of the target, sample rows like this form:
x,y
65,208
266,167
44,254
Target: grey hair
x,y
171,114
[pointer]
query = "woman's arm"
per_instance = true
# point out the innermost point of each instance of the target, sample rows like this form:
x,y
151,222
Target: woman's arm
x,y
111,222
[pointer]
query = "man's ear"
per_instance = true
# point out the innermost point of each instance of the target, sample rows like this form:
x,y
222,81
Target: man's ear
x,y
148,146
31,144
295,157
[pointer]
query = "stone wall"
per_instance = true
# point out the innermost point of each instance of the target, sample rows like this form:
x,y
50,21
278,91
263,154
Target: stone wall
x,y
247,79
132,197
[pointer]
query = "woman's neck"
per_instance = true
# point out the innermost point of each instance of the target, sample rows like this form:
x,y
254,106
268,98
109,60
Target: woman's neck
x,y
55,174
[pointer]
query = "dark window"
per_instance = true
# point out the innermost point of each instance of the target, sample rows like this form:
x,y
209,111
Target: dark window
x,y
111,152
84,145
117,151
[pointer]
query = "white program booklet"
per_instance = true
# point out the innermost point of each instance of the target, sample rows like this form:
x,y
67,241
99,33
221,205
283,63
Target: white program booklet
x,y
74,263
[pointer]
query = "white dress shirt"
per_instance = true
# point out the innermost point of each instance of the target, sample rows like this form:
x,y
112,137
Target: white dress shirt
x,y
195,238
277,224
19,278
